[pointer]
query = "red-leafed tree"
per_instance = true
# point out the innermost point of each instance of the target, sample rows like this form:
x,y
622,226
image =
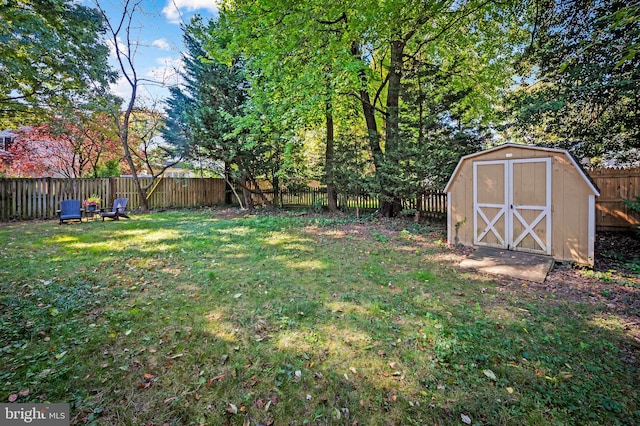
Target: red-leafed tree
x,y
70,145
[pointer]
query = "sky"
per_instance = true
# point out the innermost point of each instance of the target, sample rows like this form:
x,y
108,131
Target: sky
x,y
159,35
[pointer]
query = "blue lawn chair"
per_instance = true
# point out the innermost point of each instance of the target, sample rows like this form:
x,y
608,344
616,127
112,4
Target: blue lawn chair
x,y
117,211
70,210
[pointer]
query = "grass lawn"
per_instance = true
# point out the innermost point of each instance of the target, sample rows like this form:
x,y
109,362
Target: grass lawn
x,y
199,317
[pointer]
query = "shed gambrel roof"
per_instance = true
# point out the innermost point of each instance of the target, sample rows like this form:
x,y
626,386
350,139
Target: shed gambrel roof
x,y
564,152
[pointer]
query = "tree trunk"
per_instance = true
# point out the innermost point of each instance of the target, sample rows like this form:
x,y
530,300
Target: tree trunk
x,y
228,198
247,192
391,204
369,114
268,204
248,199
332,196
124,138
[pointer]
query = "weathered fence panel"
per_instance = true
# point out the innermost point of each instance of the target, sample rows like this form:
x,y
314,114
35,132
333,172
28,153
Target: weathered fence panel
x,y
39,198
616,185
186,192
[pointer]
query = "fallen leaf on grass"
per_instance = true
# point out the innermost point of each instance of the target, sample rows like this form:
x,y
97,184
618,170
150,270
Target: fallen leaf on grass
x,y
232,409
215,379
490,374
353,370
465,419
510,389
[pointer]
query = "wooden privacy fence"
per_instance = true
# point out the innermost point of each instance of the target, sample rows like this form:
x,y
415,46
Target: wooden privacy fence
x,y
432,204
40,198
616,185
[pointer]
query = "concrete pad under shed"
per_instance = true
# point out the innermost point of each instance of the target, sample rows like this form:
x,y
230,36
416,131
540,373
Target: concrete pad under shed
x,y
515,264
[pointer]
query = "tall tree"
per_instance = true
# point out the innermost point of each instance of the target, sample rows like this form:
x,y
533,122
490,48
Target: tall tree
x,y
75,144
51,54
368,56
297,70
120,32
212,116
582,89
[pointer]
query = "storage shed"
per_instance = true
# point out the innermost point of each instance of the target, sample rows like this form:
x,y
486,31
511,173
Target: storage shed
x,y
524,198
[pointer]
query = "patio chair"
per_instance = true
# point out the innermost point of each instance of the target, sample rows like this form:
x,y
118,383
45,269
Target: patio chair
x,y
70,210
117,211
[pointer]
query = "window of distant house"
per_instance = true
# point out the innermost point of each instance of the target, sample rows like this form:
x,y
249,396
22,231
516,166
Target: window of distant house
x,y
5,143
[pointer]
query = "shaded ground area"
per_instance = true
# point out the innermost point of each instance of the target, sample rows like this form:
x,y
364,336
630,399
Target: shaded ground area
x,y
185,318
618,251
613,283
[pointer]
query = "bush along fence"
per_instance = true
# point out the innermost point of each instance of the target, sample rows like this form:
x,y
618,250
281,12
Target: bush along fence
x,y
39,198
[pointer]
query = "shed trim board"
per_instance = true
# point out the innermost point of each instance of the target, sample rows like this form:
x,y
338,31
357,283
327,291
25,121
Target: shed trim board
x,y
509,211
592,227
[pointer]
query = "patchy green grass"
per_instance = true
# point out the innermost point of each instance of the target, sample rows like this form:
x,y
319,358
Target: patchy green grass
x,y
193,318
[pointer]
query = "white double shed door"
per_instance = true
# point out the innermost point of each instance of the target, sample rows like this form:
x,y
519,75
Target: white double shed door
x,y
512,204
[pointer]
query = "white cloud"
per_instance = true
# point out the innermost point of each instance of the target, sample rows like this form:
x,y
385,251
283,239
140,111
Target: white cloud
x,y
161,44
121,88
172,11
112,48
